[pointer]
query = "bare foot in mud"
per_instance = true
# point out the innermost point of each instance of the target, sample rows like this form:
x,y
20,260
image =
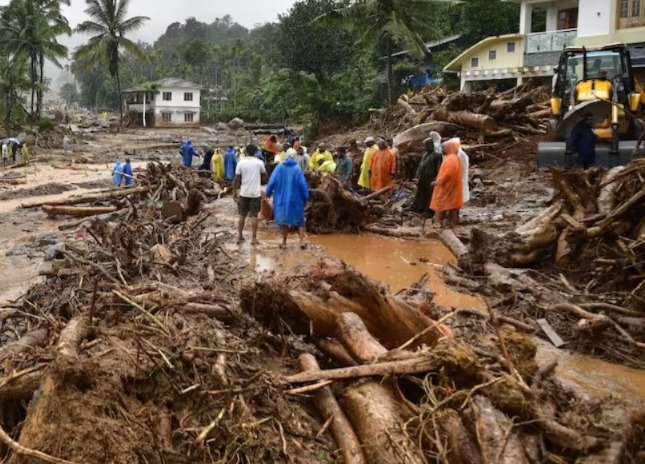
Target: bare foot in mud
x,y
240,240
255,242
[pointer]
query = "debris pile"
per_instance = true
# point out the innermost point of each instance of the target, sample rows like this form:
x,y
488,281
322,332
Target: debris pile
x,y
133,349
490,125
397,386
588,250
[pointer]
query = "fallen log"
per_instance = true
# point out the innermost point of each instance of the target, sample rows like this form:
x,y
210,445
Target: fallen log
x,y
450,239
78,211
29,340
461,448
408,108
417,365
378,420
20,387
93,198
358,342
328,407
219,312
481,122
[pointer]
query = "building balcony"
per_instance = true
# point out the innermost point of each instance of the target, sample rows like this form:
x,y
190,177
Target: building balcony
x,y
138,107
548,42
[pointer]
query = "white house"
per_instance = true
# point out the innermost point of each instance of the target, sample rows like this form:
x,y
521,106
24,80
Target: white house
x,y
534,54
166,103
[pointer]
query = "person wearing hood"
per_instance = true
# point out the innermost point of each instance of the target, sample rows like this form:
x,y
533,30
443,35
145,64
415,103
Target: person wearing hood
x,y
364,179
382,168
290,193
321,157
427,174
448,194
117,173
5,153
24,153
302,159
187,152
206,167
345,168
230,163
128,175
465,168
280,157
218,166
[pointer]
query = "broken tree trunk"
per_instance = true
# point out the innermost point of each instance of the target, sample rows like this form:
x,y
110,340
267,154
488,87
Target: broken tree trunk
x,y
105,196
378,420
358,342
77,211
607,197
328,407
450,239
481,122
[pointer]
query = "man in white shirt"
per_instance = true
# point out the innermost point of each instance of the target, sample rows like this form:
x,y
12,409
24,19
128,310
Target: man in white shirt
x,y
250,173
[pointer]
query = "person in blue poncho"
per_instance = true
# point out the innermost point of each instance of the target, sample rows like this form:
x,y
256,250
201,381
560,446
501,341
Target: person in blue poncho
x,y
230,163
290,191
117,173
187,152
127,173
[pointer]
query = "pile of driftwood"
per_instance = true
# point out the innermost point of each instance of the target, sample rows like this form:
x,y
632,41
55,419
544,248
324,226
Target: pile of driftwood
x,y
178,192
133,350
399,387
488,123
578,265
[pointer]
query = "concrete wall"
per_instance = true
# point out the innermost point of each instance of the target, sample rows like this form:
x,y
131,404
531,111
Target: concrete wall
x,y
177,107
503,59
597,18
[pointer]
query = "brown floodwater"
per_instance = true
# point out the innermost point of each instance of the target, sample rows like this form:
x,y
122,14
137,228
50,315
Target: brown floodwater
x,y
400,263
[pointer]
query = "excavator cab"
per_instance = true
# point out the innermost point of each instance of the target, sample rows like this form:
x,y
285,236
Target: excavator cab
x,y
598,81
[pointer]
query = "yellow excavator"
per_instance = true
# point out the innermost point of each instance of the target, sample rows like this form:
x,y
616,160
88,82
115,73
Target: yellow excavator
x,y
599,81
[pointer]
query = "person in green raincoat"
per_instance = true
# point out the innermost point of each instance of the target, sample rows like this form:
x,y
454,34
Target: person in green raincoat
x,y
427,174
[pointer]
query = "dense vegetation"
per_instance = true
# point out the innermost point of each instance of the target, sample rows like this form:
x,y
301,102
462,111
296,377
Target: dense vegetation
x,y
318,63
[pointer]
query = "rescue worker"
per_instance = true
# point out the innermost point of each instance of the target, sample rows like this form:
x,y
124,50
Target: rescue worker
x,y
395,152
364,179
448,194
205,169
320,156
5,153
345,168
382,168
302,159
128,175
187,152
427,174
582,141
230,163
271,148
247,189
290,191
280,157
117,172
14,149
24,153
218,166
465,168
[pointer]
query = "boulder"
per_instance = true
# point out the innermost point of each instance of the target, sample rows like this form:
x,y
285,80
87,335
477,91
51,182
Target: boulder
x,y
236,124
411,141
221,126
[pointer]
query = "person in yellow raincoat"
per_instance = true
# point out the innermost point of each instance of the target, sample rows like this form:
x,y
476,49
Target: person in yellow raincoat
x,y
218,165
24,152
364,179
320,156
448,194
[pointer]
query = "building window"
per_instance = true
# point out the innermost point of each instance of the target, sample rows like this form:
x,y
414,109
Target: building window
x,y
624,9
167,96
166,117
188,117
636,8
510,47
631,13
492,55
568,19
188,96
474,62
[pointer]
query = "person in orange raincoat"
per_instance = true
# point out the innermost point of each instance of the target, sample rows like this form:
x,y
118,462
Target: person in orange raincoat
x,y
383,168
448,195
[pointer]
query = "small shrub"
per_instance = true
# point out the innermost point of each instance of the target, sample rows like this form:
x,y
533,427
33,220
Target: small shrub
x,y
46,125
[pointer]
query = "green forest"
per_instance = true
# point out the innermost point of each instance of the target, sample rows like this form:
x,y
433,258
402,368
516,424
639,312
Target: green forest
x,y
322,62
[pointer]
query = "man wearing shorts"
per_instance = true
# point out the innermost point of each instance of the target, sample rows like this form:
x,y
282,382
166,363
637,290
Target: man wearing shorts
x,y
250,173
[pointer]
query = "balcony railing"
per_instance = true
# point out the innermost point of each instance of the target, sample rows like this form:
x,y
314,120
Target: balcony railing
x,y
554,41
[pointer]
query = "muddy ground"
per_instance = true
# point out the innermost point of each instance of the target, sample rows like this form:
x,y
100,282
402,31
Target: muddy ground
x,y
507,194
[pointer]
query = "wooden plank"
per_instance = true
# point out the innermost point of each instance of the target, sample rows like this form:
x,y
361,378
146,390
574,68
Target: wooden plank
x,y
553,336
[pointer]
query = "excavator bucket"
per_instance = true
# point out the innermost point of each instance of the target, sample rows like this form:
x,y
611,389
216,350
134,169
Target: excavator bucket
x,y
554,154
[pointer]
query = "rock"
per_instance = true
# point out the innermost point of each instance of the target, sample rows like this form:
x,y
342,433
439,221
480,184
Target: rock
x,y
221,126
55,252
236,124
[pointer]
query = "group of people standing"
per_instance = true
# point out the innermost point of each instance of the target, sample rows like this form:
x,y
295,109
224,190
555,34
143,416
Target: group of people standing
x,y
122,173
11,148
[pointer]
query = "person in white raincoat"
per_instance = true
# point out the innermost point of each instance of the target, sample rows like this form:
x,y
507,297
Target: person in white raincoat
x,y
465,167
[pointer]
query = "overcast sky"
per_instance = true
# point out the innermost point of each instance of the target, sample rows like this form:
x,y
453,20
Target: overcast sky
x,y
164,12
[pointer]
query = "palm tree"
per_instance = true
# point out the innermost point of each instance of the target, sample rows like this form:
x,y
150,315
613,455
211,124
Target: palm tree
x,y
109,24
30,29
391,22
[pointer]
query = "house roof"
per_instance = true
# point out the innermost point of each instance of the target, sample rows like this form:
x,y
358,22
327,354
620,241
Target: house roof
x,y
430,45
169,82
455,65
